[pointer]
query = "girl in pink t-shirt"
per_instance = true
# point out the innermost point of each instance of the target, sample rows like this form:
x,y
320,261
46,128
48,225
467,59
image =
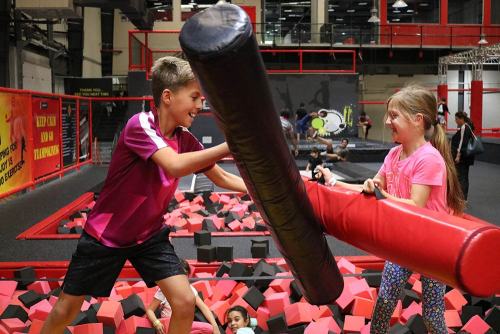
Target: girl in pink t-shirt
x,y
421,173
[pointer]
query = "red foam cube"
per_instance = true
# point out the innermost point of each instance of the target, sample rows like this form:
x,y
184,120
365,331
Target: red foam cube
x,y
110,313
298,313
452,318
363,307
13,325
277,302
40,310
92,328
353,324
454,300
476,325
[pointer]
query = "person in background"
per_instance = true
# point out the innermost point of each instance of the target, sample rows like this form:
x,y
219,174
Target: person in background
x,y
160,301
300,112
337,153
238,320
314,161
442,111
288,130
365,123
459,143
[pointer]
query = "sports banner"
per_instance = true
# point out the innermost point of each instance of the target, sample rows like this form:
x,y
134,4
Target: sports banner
x,y
15,144
46,136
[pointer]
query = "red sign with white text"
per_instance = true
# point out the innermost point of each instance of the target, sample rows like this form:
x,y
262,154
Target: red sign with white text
x,y
46,136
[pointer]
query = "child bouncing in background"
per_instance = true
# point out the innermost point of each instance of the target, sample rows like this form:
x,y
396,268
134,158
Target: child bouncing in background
x,y
161,301
314,161
420,173
154,150
365,122
238,320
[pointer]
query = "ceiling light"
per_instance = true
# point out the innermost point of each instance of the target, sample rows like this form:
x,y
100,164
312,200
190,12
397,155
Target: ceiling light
x,y
350,10
362,3
409,11
374,18
399,4
339,19
396,11
423,4
483,40
396,20
331,10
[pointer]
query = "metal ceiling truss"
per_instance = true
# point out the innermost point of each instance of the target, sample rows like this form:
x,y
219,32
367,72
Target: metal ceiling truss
x,y
476,58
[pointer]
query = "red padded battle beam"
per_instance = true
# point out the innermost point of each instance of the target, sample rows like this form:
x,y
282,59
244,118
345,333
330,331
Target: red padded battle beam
x,y
463,253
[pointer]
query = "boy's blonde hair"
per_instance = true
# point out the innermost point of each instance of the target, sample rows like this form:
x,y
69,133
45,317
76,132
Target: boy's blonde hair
x,y
414,99
169,73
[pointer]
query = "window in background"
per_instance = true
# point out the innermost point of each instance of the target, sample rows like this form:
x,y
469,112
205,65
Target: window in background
x,y
161,10
495,11
425,11
465,11
287,22
191,7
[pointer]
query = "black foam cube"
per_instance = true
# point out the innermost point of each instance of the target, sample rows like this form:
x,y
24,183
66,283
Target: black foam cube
x,y
203,212
24,276
261,241
416,324
133,305
239,270
231,216
198,316
208,225
91,315
206,253
224,253
81,318
260,227
202,238
399,329
469,311
76,229
145,330
493,318
63,230
408,297
246,197
485,303
108,330
277,324
224,268
300,329
372,277
253,297
262,269
30,298
252,207
295,293
337,314
189,196
259,251
14,311
75,215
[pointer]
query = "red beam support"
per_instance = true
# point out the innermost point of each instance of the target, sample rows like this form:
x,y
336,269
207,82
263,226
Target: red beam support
x,y
476,105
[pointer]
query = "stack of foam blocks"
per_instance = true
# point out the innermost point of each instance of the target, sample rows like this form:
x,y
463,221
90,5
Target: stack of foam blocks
x,y
276,303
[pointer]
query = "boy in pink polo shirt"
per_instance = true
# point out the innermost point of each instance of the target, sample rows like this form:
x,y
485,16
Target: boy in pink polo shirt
x,y
154,150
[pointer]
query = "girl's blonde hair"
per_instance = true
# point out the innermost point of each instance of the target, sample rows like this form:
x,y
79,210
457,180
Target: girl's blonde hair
x,y
414,99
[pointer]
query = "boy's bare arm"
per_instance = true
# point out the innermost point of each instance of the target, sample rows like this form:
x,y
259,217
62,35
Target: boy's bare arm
x,y
226,180
183,164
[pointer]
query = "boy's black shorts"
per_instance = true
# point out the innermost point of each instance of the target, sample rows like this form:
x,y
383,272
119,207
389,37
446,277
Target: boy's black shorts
x,y
94,267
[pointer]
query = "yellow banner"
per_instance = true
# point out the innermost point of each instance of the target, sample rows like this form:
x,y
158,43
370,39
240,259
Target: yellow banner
x,y
15,141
